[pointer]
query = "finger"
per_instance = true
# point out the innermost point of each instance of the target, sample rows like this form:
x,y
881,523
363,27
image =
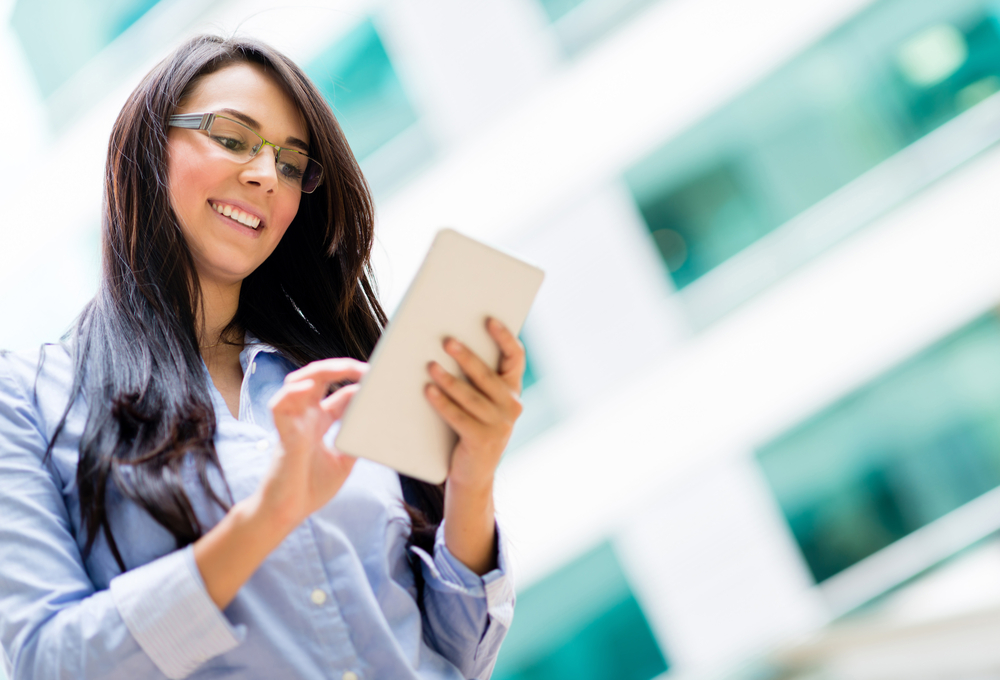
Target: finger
x,y
295,396
460,421
479,374
294,409
328,371
464,394
337,403
513,359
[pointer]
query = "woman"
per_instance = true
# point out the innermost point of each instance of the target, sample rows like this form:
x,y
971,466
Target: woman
x,y
168,507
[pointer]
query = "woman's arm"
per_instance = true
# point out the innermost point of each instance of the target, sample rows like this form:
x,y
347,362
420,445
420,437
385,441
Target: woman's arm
x,y
469,598
53,622
482,412
304,476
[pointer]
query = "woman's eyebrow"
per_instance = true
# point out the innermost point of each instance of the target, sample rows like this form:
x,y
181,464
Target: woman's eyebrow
x,y
252,122
295,141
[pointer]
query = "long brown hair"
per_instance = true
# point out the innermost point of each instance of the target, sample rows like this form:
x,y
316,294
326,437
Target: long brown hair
x,y
137,361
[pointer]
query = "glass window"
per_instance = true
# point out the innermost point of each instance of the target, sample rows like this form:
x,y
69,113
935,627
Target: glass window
x,y
557,9
60,36
891,75
357,78
579,23
530,372
581,622
895,455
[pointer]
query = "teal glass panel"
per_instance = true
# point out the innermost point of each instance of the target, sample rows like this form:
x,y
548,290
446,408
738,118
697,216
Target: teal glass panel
x,y
901,452
530,373
578,24
60,36
581,623
895,72
357,78
557,9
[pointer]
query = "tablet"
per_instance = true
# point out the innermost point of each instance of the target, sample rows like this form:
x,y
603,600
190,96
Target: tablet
x,y
460,284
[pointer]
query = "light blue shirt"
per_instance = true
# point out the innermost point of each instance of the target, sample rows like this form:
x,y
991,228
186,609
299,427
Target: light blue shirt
x,y
335,600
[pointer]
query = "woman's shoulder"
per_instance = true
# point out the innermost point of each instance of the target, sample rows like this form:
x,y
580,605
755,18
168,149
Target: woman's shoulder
x,y
51,361
36,378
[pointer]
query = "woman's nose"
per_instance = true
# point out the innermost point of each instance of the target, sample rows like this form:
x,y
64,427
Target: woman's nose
x,y
261,169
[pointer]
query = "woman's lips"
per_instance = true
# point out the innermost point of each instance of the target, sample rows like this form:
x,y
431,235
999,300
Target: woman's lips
x,y
237,225
236,214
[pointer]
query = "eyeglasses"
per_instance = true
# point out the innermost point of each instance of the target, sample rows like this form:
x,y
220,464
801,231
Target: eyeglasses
x,y
241,144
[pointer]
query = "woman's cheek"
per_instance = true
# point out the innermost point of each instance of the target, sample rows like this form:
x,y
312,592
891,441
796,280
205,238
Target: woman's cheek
x,y
285,217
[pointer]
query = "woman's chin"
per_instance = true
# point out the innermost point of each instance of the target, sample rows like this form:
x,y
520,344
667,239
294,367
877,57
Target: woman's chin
x,y
224,274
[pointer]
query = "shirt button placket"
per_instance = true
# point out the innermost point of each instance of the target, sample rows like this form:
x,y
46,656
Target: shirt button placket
x,y
327,620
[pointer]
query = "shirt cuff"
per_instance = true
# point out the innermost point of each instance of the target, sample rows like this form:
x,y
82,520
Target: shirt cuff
x,y
168,611
447,572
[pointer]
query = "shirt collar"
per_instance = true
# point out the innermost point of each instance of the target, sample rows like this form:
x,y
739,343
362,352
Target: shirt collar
x,y
252,346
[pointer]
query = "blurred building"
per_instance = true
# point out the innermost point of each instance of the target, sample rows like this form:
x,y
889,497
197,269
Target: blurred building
x,y
762,427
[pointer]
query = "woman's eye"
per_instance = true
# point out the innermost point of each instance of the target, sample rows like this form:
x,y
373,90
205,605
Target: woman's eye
x,y
230,143
290,171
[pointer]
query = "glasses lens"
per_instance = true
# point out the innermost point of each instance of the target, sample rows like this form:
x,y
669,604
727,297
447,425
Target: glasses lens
x,y
292,166
312,177
300,170
237,139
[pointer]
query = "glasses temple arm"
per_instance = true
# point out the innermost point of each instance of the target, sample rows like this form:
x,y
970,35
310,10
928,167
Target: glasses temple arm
x,y
192,121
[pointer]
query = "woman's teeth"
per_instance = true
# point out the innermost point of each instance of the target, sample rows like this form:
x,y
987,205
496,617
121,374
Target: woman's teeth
x,y
237,214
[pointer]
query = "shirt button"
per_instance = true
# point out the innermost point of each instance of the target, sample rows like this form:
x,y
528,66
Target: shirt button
x,y
263,445
253,368
318,597
349,675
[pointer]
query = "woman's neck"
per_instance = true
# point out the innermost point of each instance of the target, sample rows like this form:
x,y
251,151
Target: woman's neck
x,y
219,344
218,307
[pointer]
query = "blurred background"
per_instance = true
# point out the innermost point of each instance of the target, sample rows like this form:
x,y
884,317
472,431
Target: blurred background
x,y
762,427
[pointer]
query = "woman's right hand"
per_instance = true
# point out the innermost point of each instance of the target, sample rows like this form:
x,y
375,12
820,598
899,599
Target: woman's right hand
x,y
305,473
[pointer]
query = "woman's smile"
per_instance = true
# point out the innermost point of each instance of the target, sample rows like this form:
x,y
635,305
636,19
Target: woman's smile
x,y
239,213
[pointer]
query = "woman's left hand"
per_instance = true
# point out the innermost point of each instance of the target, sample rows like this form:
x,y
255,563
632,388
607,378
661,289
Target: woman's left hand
x,y
481,411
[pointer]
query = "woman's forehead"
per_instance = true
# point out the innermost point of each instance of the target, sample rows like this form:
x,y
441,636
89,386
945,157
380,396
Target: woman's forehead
x,y
248,88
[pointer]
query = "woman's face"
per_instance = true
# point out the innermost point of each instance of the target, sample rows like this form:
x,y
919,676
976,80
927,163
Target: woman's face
x,y
201,180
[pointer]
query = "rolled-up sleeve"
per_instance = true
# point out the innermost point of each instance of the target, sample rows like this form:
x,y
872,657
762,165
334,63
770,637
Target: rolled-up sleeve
x,y
170,614
467,615
154,621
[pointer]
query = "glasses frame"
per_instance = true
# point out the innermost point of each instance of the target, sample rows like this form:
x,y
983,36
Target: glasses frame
x,y
203,123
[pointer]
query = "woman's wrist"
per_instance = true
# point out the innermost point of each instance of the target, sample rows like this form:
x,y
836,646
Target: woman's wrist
x,y
470,527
